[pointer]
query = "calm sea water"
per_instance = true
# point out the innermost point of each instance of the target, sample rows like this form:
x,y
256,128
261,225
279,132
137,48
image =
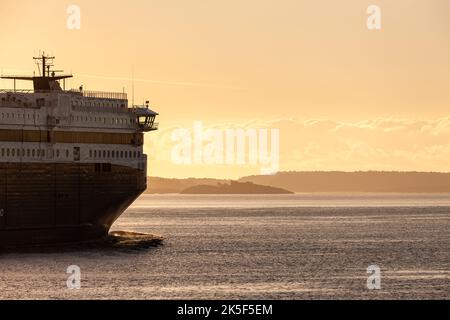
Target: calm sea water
x,y
304,246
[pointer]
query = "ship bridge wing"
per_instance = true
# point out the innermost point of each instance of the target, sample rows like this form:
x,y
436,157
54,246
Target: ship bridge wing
x,y
146,119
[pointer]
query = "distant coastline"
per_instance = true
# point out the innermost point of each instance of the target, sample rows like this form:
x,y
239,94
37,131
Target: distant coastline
x,y
299,182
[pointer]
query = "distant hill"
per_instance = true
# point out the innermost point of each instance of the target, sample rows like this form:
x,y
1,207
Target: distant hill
x,y
234,188
163,185
372,181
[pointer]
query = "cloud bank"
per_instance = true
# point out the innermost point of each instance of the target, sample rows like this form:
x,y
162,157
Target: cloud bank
x,y
324,145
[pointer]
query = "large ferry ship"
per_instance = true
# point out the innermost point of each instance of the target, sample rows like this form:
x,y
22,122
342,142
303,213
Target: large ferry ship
x,y
71,161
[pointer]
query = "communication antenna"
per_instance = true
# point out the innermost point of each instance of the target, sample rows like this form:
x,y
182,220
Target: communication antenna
x,y
132,87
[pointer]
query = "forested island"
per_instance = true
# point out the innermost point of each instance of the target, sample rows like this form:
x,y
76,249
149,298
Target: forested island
x,y
234,187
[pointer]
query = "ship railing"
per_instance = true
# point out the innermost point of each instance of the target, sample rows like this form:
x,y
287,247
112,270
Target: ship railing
x,y
83,93
30,91
16,91
102,95
149,127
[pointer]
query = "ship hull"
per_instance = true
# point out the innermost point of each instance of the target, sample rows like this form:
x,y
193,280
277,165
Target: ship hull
x,y
63,202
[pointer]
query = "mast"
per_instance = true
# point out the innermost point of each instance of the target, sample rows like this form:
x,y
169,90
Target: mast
x,y
48,80
45,65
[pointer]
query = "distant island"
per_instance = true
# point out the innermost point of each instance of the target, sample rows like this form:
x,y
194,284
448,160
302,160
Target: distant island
x,y
235,187
336,181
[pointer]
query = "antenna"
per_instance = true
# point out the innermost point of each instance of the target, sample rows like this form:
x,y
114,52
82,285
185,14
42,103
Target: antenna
x,y
132,86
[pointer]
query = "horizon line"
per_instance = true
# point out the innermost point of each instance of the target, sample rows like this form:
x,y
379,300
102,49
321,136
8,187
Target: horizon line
x,y
306,171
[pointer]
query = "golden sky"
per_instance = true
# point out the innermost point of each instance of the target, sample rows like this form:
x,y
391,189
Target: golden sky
x,y
284,64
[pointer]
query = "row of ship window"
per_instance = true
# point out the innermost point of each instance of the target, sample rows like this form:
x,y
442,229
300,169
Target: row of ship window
x,y
103,120
97,154
18,116
32,152
97,104
41,102
77,118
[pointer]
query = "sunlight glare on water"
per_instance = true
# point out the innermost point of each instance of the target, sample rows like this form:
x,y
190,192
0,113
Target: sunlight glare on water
x,y
303,246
